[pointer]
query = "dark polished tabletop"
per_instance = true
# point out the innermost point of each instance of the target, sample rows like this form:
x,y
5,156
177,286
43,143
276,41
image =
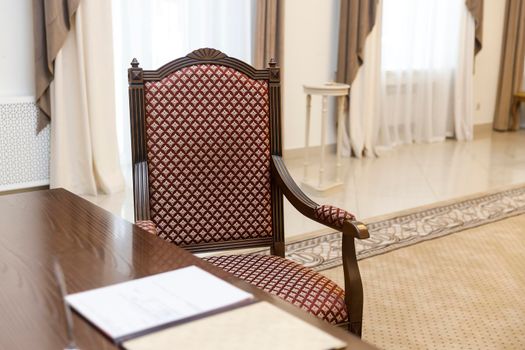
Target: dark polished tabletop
x,y
95,249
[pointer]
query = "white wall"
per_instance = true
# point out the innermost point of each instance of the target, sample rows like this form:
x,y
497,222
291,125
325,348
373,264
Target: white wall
x,y
16,48
310,56
24,154
487,63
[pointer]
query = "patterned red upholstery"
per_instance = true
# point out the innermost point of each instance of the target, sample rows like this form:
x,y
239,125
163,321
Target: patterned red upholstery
x,y
332,215
208,149
290,281
147,225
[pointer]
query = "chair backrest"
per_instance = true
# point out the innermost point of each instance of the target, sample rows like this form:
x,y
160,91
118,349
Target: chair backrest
x,y
203,130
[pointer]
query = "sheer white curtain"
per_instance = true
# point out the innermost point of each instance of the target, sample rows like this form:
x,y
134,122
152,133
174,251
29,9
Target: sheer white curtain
x,y
365,106
158,31
84,155
416,82
423,53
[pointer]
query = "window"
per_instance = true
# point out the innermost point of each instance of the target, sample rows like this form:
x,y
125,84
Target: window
x,y
420,35
158,31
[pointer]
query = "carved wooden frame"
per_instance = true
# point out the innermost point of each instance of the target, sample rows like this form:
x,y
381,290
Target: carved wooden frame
x,y
282,182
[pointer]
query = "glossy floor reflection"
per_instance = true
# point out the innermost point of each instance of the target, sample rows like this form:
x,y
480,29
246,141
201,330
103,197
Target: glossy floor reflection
x,y
405,177
418,174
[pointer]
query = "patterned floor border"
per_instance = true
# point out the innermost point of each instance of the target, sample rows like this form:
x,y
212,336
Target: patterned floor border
x,y
324,251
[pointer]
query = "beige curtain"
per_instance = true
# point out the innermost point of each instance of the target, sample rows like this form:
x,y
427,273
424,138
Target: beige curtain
x,y
267,32
357,18
84,151
476,9
51,23
511,66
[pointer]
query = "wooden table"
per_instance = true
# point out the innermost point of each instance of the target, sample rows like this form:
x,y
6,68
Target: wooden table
x,y
95,249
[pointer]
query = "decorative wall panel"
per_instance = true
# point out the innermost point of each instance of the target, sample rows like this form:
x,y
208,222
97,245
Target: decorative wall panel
x,y
24,154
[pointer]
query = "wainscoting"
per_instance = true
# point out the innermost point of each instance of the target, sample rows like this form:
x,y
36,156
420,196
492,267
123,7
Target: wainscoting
x,y
24,154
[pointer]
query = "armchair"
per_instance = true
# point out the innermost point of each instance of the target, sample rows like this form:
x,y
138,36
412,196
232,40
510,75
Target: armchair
x,y
208,175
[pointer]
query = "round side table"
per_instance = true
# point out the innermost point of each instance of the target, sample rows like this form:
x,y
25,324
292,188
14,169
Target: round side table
x,y
340,91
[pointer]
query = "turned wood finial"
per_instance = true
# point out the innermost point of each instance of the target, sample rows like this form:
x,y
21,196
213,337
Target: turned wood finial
x,y
135,73
273,70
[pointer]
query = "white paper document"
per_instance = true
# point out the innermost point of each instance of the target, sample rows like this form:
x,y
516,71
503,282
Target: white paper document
x,y
259,326
132,307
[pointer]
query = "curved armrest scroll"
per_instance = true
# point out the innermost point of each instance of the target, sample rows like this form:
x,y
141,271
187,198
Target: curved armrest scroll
x,y
293,193
325,214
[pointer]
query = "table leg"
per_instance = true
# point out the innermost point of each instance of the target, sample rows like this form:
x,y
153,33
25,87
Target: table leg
x,y
323,138
340,129
307,135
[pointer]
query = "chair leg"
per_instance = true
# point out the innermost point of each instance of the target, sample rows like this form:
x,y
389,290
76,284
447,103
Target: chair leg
x,y
355,328
277,249
353,283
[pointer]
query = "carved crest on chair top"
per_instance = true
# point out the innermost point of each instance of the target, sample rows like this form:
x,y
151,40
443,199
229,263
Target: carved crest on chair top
x,y
206,54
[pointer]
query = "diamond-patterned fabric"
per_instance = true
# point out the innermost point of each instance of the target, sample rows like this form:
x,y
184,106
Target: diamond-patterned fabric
x,y
290,281
332,215
208,149
147,225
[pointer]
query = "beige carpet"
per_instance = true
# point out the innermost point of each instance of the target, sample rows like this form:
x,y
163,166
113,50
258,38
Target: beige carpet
x,y
462,291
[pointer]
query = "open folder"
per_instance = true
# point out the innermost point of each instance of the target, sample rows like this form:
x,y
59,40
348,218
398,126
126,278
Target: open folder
x,y
130,309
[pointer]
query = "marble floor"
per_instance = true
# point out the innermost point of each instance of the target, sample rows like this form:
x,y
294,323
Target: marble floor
x,y
405,177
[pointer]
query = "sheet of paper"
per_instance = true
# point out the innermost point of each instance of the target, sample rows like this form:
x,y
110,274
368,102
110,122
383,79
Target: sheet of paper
x,y
259,326
126,308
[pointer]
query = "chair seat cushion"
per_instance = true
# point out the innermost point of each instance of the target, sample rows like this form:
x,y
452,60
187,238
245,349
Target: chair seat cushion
x,y
147,225
290,281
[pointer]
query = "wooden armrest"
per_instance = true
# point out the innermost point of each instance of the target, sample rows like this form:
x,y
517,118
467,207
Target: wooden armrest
x,y
293,193
338,219
325,214
358,229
